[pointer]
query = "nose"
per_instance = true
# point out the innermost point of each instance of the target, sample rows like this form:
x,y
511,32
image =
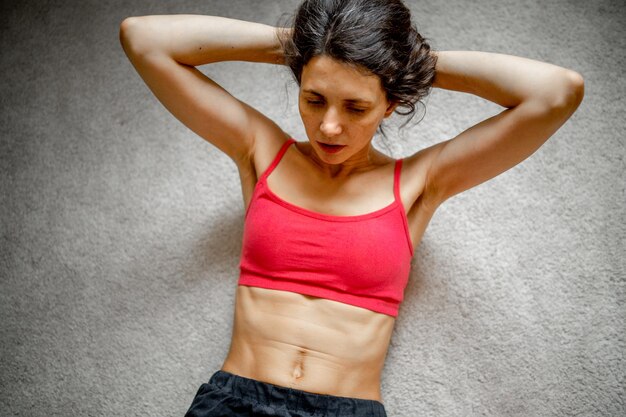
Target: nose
x,y
331,125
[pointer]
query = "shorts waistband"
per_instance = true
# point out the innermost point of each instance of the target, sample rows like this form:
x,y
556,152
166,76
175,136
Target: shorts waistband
x,y
277,396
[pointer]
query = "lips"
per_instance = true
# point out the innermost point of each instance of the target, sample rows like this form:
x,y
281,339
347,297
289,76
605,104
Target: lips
x,y
330,148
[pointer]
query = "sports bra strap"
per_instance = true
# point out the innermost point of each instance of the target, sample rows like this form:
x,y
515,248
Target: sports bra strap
x,y
277,158
288,142
396,180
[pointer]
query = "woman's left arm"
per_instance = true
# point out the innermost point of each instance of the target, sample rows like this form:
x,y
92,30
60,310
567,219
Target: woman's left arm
x,y
539,98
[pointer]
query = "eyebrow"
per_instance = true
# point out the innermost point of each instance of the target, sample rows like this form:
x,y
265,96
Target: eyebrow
x,y
349,100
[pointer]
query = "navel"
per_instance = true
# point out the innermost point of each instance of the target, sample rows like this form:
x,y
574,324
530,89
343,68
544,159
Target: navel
x,y
298,371
298,367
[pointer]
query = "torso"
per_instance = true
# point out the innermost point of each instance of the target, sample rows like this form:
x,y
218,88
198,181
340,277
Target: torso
x,y
309,343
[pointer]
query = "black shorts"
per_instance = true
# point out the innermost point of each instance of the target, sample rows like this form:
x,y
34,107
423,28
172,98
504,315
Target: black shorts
x,y
227,394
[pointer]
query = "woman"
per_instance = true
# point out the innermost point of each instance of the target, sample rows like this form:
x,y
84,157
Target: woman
x,y
331,222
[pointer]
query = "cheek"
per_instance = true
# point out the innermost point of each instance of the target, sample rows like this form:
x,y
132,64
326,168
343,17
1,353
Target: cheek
x,y
308,119
370,124
312,118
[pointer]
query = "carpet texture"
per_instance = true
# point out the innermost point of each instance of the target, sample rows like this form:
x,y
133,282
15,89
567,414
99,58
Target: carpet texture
x,y
121,228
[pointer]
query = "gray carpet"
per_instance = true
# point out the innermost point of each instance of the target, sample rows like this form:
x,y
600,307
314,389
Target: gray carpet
x,y
121,229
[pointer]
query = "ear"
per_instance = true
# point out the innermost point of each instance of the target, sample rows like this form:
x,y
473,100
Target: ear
x,y
392,106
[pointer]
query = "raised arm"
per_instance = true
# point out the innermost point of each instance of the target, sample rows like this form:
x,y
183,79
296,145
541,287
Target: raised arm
x,y
539,98
165,51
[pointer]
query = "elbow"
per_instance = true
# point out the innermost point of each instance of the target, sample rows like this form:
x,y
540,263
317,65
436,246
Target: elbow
x,y
127,28
572,91
577,86
132,35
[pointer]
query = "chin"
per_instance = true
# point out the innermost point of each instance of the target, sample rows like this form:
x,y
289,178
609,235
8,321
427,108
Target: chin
x,y
331,158
328,159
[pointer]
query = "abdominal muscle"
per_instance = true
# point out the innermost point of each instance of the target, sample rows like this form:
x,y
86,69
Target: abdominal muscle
x,y
308,343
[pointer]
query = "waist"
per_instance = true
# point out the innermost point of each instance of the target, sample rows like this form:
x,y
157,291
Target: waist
x,y
308,343
295,402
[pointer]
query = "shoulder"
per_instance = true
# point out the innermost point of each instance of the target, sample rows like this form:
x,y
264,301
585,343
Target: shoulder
x,y
260,156
267,144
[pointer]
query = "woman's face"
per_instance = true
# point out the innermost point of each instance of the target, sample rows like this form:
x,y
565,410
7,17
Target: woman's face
x,y
341,108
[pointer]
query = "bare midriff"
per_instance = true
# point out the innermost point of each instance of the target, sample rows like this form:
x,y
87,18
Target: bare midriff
x,y
308,343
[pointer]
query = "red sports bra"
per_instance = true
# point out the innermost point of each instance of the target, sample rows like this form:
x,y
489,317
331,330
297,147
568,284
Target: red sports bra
x,y
362,260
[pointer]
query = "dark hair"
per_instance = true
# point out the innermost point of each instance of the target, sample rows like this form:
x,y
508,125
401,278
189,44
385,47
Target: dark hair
x,y
375,35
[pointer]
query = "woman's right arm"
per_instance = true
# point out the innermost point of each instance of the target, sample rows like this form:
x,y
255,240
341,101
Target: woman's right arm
x,y
165,49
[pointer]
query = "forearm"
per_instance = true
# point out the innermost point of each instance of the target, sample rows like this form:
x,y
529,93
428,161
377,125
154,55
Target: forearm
x,y
505,79
197,39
